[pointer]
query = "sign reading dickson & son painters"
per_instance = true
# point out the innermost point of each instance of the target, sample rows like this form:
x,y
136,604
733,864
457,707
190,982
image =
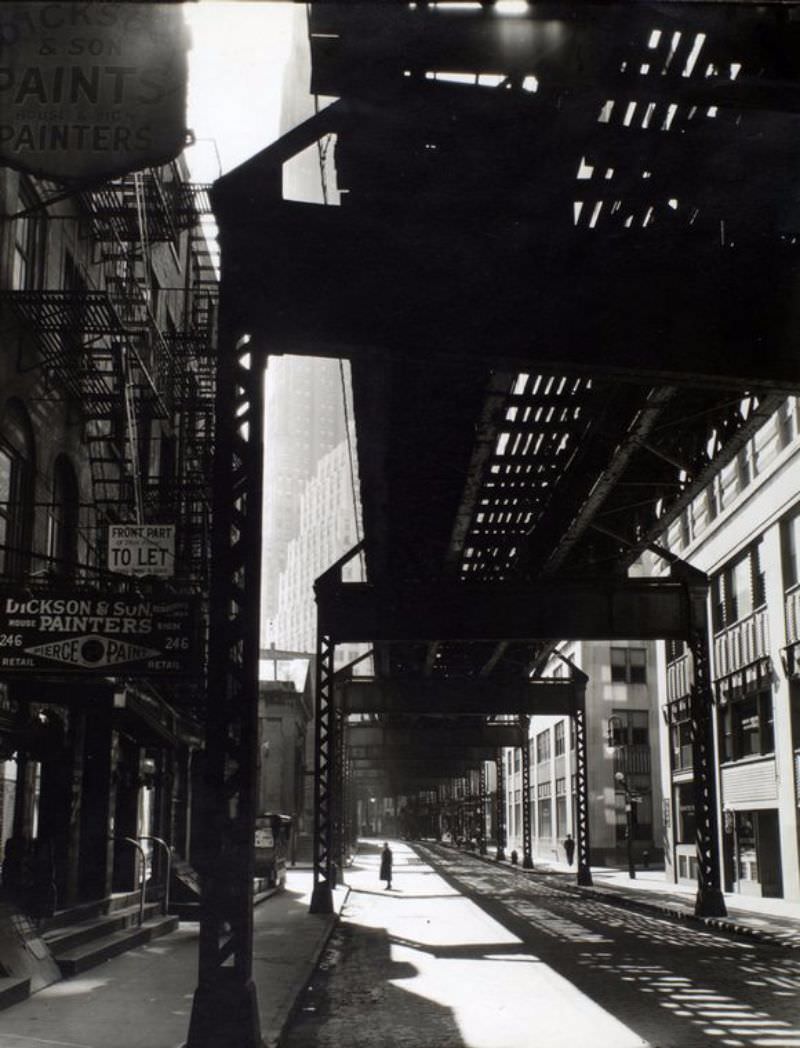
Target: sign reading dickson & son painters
x,y
87,634
91,90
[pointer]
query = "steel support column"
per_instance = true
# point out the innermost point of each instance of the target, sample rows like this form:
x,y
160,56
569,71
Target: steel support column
x,y
324,777
339,798
500,806
225,1008
482,809
527,851
581,777
709,901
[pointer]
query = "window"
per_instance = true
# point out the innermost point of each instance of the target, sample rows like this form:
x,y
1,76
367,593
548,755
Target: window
x,y
630,728
544,812
29,231
675,649
685,824
746,726
680,734
62,544
559,738
561,807
16,490
791,551
738,589
543,746
629,665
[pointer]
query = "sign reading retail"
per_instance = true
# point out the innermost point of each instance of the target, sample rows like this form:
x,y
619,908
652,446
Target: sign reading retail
x,y
91,90
85,633
142,549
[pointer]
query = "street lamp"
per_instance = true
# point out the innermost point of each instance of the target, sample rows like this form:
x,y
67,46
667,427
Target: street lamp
x,y
620,778
617,740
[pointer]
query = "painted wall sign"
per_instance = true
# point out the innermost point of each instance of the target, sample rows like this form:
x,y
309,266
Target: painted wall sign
x,y
107,636
91,90
142,549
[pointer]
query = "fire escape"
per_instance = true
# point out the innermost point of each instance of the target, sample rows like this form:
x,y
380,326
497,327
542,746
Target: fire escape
x,y
104,343
139,378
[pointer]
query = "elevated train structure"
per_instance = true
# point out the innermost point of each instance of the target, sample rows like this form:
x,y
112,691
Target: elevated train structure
x,y
563,266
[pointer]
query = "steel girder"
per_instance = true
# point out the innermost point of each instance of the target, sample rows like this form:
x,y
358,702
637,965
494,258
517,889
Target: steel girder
x,y
581,778
527,857
225,1008
500,800
324,778
425,696
572,609
425,736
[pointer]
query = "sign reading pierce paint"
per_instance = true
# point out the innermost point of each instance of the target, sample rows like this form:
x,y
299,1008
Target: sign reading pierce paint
x,y
142,549
87,634
91,90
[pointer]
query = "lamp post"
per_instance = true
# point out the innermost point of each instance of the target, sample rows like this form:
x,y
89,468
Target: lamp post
x,y
617,741
620,778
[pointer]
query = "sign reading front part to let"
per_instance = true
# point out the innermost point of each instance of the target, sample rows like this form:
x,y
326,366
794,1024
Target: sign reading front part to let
x,y
142,549
91,90
88,634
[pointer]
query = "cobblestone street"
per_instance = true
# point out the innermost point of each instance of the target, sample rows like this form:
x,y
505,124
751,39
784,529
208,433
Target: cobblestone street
x,y
462,954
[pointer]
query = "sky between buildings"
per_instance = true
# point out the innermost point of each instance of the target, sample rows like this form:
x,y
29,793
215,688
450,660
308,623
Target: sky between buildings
x,y
236,64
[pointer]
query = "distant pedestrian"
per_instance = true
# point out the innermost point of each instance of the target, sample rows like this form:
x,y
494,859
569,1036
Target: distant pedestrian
x,y
386,865
569,848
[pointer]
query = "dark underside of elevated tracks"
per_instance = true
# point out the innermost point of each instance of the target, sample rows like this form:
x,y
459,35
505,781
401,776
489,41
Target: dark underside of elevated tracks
x,y
563,268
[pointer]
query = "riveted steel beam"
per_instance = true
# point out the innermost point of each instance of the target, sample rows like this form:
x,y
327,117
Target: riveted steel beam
x,y
451,698
596,609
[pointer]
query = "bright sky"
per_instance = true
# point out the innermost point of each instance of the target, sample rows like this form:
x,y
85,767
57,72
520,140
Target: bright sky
x,y
239,50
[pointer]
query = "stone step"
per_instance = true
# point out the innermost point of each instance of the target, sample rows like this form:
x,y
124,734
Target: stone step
x,y
82,957
65,937
14,989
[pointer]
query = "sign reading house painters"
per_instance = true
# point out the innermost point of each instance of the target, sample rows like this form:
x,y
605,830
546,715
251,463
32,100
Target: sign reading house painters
x,y
91,90
142,549
89,634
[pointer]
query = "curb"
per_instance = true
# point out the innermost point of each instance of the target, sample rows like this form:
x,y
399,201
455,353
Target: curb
x,y
273,1040
608,895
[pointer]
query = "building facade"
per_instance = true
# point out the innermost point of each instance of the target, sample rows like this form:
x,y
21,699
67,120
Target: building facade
x,y
622,724
108,301
743,531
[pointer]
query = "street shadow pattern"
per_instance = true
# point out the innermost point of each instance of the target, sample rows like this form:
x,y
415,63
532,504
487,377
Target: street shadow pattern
x,y
352,1001
675,985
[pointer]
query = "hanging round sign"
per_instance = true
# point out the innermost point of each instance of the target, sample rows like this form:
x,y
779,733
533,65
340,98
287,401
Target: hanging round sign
x,y
91,90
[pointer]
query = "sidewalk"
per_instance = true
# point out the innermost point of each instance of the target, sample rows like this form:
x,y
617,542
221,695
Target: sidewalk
x,y
768,920
143,998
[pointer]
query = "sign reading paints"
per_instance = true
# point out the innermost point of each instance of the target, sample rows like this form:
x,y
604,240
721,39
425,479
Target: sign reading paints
x,y
91,90
142,549
85,633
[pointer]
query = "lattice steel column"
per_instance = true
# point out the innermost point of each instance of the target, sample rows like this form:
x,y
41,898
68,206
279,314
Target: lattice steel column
x,y
500,801
324,777
482,809
579,680
225,1008
709,901
527,843
339,799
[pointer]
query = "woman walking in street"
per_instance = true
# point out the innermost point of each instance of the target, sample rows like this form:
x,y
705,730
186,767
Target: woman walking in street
x,y
386,865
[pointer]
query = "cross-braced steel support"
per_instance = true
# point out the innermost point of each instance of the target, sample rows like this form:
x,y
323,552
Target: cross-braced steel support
x,y
527,850
709,901
225,1008
339,797
500,806
482,809
581,777
324,777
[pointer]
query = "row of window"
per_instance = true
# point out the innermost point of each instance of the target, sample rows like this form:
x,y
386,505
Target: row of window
x,y
17,491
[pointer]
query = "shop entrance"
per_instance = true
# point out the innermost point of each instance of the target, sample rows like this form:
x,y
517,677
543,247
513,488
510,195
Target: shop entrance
x,y
755,853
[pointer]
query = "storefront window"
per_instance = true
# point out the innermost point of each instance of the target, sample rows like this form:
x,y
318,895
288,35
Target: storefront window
x,y
746,727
